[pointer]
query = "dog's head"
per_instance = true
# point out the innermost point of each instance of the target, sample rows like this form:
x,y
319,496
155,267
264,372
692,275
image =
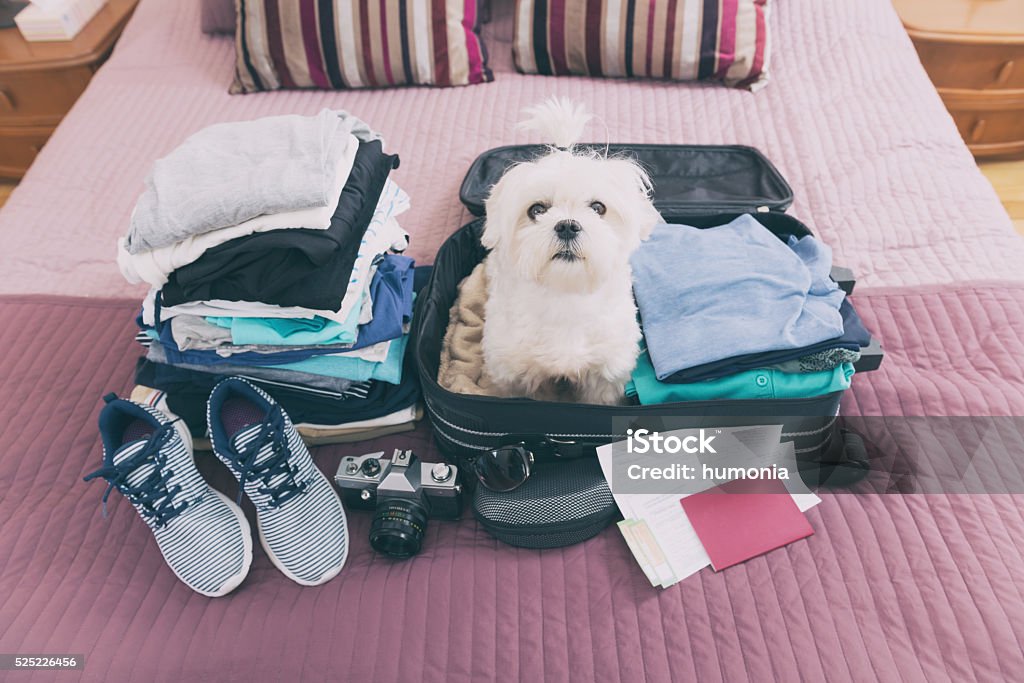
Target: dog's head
x,y
571,219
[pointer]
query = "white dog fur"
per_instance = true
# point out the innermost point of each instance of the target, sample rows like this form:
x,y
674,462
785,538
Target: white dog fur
x,y
560,320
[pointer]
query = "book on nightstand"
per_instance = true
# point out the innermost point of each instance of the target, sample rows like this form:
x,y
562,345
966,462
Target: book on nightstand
x,y
49,20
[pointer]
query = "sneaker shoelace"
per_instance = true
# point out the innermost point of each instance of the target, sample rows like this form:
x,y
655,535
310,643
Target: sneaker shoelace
x,y
277,474
154,495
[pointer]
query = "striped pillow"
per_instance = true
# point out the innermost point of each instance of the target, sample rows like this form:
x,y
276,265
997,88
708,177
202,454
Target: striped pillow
x,y
332,44
725,40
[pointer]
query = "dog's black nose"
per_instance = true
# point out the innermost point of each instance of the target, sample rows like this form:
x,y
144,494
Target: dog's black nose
x,y
567,230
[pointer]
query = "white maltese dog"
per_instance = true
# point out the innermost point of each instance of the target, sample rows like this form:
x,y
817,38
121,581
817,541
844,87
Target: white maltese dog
x,y
560,321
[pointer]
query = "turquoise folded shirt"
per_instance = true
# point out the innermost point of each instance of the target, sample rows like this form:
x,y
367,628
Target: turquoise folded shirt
x,y
355,369
751,384
290,331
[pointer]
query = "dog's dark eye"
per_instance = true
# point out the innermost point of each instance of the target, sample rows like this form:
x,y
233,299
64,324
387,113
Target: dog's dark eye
x,y
536,210
598,208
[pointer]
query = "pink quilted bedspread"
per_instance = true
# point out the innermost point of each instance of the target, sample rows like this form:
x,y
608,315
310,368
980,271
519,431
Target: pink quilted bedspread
x,y
890,586
895,586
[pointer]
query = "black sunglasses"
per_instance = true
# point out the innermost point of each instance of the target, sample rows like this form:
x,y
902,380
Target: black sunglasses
x,y
507,467
504,468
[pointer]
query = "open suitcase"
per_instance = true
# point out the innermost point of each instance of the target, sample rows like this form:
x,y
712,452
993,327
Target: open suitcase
x,y
700,185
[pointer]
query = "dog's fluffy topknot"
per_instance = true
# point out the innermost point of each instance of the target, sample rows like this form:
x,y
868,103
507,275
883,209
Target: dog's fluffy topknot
x,y
559,120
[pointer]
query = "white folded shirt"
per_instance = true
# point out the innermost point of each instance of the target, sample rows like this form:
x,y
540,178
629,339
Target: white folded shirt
x,y
153,267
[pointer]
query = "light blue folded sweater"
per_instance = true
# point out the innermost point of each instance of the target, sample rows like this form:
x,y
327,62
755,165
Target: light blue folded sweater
x,y
714,293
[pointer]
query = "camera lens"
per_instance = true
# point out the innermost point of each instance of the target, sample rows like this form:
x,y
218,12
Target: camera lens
x,y
398,527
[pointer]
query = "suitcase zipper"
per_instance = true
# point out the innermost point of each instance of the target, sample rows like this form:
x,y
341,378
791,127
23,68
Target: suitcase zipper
x,y
474,432
437,418
475,447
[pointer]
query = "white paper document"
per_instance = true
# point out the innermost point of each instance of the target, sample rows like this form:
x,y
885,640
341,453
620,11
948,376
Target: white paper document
x,y
656,527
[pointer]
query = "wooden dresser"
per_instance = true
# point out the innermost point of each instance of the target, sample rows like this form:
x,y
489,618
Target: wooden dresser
x,y
40,81
973,50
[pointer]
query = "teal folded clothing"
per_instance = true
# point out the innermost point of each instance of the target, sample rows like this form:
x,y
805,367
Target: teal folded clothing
x,y
355,369
392,297
750,384
290,331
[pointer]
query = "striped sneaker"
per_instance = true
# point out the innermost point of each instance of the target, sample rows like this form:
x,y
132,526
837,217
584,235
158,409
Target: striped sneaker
x,y
300,519
147,456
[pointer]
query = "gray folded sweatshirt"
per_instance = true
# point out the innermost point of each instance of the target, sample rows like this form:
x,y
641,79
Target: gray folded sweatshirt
x,y
230,172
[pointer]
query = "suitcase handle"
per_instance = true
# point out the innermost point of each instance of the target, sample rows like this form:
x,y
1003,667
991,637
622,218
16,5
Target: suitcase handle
x,y
870,357
845,278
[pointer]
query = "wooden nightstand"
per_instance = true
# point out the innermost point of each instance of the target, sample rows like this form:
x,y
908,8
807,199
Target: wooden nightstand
x,y
973,50
40,81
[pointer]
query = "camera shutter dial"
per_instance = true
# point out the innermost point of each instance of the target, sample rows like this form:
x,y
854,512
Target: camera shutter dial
x,y
371,467
441,472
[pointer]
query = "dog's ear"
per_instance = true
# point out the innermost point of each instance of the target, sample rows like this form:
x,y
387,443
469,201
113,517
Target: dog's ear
x,y
640,208
499,222
648,217
490,237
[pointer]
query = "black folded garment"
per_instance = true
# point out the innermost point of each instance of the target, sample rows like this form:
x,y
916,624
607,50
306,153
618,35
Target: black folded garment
x,y
187,391
296,266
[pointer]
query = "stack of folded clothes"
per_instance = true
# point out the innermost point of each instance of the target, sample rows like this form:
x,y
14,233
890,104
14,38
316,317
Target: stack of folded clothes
x,y
273,253
734,312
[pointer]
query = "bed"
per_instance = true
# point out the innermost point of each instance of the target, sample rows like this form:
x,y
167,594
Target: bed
x,y
892,586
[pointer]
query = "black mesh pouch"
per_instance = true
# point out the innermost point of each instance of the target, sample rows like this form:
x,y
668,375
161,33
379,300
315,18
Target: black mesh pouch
x,y
562,503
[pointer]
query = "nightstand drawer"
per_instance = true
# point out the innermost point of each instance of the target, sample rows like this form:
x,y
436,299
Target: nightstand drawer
x,y
967,66
40,97
19,147
990,124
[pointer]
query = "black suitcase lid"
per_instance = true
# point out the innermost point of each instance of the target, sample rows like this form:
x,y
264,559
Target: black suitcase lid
x,y
688,179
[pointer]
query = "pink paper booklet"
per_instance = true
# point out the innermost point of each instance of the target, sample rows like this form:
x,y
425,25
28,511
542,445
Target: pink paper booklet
x,y
745,518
